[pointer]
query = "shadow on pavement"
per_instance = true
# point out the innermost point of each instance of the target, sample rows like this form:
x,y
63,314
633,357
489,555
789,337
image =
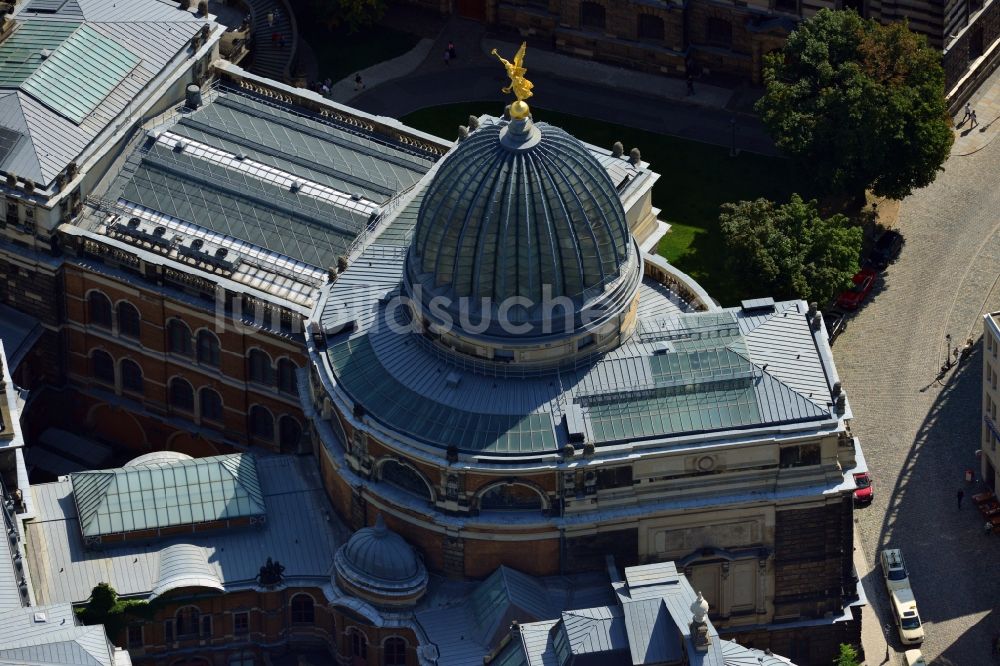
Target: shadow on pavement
x,y
948,554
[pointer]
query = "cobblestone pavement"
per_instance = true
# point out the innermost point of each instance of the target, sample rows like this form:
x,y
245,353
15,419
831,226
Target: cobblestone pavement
x,y
920,435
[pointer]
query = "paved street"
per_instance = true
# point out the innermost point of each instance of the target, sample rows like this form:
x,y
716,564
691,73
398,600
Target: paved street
x,y
919,435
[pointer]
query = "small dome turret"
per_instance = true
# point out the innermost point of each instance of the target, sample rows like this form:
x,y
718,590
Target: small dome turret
x,y
378,565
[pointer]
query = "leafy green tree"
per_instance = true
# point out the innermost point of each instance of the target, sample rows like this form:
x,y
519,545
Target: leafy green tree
x,y
848,656
354,14
859,104
789,250
104,607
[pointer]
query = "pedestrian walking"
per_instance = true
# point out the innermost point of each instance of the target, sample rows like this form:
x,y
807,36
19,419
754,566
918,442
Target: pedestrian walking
x,y
961,494
975,122
690,85
358,83
968,113
270,19
451,51
447,56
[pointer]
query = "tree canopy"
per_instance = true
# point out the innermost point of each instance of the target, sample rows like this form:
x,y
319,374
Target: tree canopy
x,y
351,13
789,250
861,105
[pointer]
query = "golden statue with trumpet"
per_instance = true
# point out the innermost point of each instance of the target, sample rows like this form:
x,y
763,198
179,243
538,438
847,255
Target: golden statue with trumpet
x,y
520,86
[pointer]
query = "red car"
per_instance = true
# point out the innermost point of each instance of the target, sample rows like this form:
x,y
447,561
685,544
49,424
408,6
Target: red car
x,y
865,491
863,283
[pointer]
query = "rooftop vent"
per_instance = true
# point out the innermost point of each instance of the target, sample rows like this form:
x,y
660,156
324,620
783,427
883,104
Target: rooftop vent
x,y
45,54
453,380
662,348
296,186
40,617
179,147
240,156
575,426
758,305
357,196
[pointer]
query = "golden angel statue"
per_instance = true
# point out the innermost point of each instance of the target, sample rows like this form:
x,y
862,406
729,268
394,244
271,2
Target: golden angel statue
x,y
520,86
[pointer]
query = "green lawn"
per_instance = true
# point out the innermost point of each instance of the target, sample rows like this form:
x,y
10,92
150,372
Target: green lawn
x,y
695,179
341,53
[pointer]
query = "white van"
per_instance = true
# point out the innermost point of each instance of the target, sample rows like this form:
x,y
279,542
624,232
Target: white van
x,y
914,658
904,608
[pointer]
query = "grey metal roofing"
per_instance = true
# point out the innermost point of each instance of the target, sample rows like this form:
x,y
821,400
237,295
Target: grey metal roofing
x,y
78,102
653,636
80,73
184,565
184,492
464,629
505,218
63,570
592,636
680,373
50,636
268,174
18,332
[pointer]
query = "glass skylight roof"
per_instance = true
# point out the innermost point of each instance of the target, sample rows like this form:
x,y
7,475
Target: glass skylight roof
x,y
80,73
185,492
21,52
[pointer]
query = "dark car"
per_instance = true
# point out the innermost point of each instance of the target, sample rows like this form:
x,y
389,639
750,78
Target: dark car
x,y
864,281
836,323
886,249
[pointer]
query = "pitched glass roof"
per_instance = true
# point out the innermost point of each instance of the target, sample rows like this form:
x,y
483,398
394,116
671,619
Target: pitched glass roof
x,y
21,52
80,73
407,411
180,493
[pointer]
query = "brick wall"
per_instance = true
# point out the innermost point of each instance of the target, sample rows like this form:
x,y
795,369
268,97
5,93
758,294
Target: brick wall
x,y
812,562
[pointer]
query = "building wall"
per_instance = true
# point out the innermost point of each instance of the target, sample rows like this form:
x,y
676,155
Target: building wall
x,y
274,623
990,459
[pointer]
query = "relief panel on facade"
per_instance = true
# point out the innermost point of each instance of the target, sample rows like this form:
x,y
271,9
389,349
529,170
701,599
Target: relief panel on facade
x,y
727,535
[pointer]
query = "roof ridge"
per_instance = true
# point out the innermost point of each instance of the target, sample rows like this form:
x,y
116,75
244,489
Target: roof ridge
x,y
819,411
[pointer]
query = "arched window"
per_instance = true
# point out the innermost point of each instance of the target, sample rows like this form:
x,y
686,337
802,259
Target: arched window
x,y
719,32
286,377
98,309
260,367
261,423
510,497
303,611
103,368
394,651
405,478
129,323
181,394
289,434
592,15
210,404
178,337
650,27
208,348
358,643
187,621
131,376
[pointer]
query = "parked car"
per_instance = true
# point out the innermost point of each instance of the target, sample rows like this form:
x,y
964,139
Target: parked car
x,y
914,658
865,491
886,249
894,569
864,281
904,606
836,323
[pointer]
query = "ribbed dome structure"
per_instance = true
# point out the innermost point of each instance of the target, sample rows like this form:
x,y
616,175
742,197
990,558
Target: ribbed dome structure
x,y
506,215
378,564
519,233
